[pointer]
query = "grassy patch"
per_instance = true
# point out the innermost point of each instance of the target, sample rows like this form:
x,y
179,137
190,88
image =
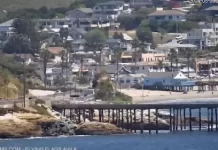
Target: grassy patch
x,y
12,5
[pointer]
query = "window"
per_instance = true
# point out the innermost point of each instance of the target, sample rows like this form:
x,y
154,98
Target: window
x,y
127,81
147,80
163,81
121,81
143,68
170,17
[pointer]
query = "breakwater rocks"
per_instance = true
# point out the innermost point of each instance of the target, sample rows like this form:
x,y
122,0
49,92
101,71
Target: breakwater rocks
x,y
58,128
98,128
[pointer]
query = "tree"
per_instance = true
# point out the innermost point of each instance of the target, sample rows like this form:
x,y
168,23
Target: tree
x,y
144,34
127,22
162,32
160,64
188,55
95,37
18,44
64,33
118,35
27,27
63,55
172,56
45,55
21,26
76,4
68,46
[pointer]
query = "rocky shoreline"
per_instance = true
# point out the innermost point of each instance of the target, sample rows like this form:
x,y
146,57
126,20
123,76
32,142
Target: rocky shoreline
x,y
29,124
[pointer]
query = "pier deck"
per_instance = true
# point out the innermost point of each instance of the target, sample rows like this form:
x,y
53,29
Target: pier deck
x,y
133,117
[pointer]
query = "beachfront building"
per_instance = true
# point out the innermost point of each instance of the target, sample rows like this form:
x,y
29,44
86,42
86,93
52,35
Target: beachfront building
x,y
206,66
173,81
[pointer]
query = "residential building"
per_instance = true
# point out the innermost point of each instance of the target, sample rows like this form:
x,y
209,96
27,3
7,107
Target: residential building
x,y
80,13
205,66
167,81
125,78
54,75
204,37
77,33
141,3
110,10
165,15
6,29
88,23
211,11
127,57
79,45
54,23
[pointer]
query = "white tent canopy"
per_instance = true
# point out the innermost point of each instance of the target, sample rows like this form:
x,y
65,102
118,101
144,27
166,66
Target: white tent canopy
x,y
69,38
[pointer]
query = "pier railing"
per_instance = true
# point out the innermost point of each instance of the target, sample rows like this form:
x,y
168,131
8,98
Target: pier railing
x,y
150,117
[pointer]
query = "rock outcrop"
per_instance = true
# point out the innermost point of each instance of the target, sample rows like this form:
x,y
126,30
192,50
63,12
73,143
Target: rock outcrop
x,y
98,128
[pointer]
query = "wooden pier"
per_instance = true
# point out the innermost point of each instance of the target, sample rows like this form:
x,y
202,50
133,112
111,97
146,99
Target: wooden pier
x,y
138,117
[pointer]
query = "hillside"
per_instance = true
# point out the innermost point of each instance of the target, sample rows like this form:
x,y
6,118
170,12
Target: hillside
x,y
10,86
11,5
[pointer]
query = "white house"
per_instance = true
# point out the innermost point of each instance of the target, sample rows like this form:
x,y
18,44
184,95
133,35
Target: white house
x,y
6,28
54,23
110,10
127,80
164,15
206,36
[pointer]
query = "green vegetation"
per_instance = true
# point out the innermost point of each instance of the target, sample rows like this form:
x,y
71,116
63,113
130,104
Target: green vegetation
x,y
106,91
10,87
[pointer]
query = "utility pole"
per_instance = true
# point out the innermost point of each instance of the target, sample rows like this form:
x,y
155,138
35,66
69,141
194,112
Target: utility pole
x,y
24,81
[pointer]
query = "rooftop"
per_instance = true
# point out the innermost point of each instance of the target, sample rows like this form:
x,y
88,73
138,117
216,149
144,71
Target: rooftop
x,y
212,8
7,23
55,50
112,3
166,13
162,74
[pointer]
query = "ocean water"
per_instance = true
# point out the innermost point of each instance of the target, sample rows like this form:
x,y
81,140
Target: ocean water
x,y
180,140
165,141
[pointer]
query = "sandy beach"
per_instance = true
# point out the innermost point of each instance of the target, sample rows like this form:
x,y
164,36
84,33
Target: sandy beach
x,y
152,96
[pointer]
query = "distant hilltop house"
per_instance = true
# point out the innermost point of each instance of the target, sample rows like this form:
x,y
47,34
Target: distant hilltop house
x,y
141,3
110,10
165,15
204,37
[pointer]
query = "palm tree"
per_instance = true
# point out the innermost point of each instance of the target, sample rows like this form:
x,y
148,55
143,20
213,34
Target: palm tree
x,y
135,44
160,64
63,33
188,55
117,52
45,55
62,63
68,47
81,66
172,56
